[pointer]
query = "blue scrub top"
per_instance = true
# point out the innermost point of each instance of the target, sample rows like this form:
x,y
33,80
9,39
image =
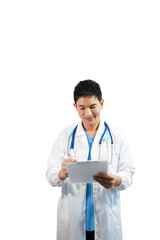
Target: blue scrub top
x,y
89,193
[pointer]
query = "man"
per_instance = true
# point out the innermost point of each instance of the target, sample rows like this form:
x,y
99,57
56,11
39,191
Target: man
x,y
90,211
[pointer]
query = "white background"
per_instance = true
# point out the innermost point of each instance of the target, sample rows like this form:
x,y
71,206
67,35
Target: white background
x,y
46,48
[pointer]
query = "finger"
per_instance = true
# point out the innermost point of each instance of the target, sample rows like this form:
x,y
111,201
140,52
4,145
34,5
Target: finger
x,y
105,185
104,180
102,177
74,160
106,175
65,172
64,168
70,160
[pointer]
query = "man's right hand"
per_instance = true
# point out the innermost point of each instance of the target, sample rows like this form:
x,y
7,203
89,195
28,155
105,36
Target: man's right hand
x,y
63,174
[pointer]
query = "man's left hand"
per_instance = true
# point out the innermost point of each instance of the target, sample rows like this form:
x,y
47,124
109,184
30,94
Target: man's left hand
x,y
107,180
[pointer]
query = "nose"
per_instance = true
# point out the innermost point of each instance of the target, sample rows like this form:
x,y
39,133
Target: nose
x,y
88,112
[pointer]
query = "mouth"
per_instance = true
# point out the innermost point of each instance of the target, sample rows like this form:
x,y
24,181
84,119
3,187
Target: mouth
x,y
89,118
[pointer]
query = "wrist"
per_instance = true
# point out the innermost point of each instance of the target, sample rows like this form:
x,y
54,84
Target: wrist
x,y
118,181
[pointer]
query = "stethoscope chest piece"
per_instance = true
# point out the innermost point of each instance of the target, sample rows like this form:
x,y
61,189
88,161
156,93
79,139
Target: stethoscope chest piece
x,y
72,153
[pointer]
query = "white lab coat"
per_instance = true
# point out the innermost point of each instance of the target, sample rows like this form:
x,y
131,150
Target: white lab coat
x,y
72,203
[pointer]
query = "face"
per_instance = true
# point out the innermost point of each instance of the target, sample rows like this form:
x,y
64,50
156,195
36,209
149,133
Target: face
x,y
89,109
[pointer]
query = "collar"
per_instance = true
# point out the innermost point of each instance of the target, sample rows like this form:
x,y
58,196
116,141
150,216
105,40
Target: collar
x,y
80,129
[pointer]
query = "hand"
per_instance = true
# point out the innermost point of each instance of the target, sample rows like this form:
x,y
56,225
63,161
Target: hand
x,y
63,174
108,180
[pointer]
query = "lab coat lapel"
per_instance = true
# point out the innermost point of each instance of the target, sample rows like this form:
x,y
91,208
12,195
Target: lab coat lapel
x,y
83,143
95,148
80,130
82,147
99,133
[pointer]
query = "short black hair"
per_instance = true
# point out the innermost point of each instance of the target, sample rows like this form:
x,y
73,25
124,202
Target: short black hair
x,y
87,88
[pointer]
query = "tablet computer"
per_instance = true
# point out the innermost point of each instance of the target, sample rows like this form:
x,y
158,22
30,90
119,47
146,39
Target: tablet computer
x,y
83,172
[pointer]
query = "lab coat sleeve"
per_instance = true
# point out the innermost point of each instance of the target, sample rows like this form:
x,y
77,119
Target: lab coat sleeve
x,y
126,166
55,159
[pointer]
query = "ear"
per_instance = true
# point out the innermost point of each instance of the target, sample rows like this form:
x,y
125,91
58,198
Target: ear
x,y
75,105
102,103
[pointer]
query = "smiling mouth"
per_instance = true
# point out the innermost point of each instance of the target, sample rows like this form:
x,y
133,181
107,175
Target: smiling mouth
x,y
89,119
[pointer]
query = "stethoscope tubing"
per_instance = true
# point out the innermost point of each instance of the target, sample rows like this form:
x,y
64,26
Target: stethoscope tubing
x,y
72,151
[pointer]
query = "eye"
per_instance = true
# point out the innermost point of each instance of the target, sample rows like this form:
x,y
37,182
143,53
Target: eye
x,y
82,108
92,107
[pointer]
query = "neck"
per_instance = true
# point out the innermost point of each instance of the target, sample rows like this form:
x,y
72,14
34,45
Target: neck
x,y
92,127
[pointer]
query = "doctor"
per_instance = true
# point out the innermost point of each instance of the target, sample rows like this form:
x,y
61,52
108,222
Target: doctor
x,y
90,211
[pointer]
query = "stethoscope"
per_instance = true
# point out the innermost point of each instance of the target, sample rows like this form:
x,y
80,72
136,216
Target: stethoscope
x,y
72,152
